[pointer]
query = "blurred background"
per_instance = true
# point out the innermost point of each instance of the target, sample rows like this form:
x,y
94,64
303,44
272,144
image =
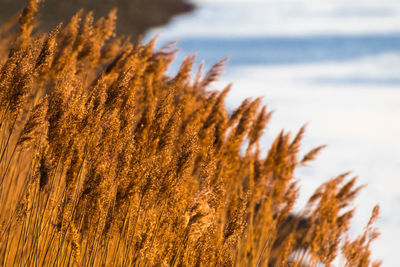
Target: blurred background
x,y
333,64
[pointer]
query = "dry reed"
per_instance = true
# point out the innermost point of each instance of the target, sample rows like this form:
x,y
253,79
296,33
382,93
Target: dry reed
x,y
107,161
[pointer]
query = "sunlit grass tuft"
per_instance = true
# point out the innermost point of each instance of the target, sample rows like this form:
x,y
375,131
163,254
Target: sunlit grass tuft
x,y
105,160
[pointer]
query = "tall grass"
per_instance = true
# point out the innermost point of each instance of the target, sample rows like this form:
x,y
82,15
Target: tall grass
x,y
105,160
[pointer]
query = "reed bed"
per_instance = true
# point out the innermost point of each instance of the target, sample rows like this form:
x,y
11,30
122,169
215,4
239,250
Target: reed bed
x,y
105,160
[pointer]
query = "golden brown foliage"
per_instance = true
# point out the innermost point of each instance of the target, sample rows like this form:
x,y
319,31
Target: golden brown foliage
x,y
107,161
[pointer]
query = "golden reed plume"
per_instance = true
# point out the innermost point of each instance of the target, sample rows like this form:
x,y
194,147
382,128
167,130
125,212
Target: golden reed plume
x,y
105,160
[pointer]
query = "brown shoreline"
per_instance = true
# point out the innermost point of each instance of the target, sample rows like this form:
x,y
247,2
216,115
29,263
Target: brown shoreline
x,y
134,16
